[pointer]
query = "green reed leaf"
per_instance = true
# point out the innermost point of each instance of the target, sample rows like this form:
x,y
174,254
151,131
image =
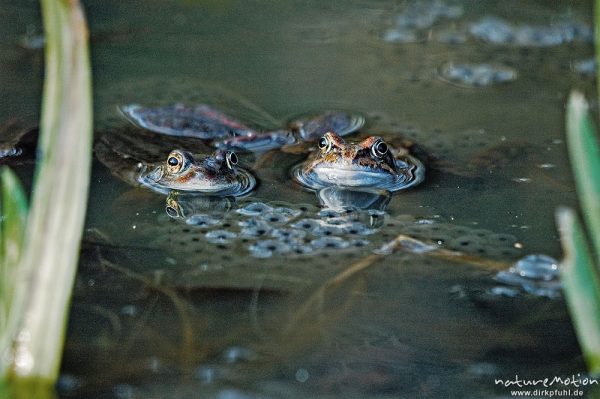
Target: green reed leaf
x,y
581,286
584,152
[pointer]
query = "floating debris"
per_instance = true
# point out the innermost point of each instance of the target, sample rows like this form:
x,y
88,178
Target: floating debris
x,y
476,75
538,275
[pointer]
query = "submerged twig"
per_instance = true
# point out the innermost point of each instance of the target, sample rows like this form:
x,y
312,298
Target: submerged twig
x,y
187,331
401,241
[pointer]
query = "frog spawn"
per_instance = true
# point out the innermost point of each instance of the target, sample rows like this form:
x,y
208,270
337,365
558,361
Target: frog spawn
x,y
271,229
295,245
538,275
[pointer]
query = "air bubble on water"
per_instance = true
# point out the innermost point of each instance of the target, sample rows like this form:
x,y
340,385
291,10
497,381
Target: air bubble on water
x,y
522,180
220,236
302,375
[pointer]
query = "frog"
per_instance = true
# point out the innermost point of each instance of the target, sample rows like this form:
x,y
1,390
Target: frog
x,y
214,174
135,160
367,164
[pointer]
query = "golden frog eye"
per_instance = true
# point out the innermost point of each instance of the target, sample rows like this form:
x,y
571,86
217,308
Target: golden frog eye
x,y
379,148
175,161
231,159
324,144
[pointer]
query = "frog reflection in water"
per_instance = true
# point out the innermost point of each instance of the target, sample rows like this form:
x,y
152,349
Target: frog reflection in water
x,y
369,164
216,174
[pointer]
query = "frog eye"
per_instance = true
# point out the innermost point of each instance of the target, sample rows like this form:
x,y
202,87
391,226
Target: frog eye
x,y
172,212
379,149
324,144
231,159
175,161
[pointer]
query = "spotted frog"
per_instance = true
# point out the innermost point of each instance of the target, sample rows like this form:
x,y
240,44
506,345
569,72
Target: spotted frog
x,y
140,161
368,164
215,174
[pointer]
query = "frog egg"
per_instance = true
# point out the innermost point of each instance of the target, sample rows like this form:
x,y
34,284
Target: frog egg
x,y
358,228
328,230
302,249
359,243
306,224
469,243
202,221
476,75
329,243
330,213
254,228
288,212
538,275
254,209
266,248
539,267
220,236
505,239
280,215
288,234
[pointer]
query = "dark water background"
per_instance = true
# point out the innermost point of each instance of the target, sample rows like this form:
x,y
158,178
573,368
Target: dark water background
x,y
410,326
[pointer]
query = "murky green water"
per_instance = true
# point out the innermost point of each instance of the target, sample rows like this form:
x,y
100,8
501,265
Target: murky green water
x,y
160,311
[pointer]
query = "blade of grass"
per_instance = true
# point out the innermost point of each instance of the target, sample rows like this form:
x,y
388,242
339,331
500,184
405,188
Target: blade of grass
x,y
60,195
12,232
581,287
584,152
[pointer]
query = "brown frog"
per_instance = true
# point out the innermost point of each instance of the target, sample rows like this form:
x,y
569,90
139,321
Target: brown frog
x,y
370,164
